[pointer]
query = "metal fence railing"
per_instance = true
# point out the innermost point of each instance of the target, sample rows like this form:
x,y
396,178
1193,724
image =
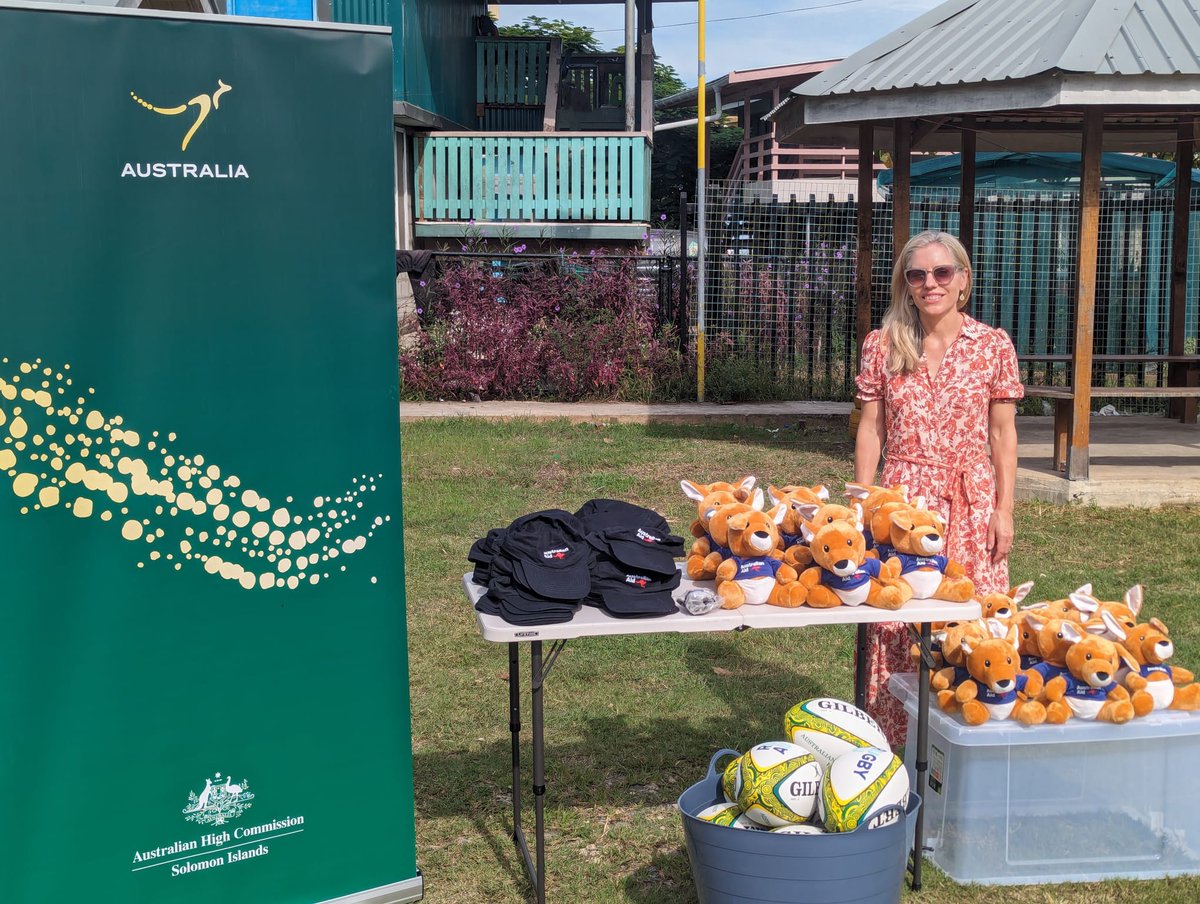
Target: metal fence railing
x,y
781,273
780,307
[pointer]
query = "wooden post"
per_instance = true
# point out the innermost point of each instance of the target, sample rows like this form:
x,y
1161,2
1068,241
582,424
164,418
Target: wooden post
x,y
645,59
901,183
1181,374
865,254
866,209
1085,297
553,75
966,187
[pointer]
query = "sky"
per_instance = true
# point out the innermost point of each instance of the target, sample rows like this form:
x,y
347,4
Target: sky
x,y
817,30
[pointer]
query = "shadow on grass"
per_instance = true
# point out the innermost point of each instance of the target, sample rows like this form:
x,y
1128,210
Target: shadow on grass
x,y
667,879
505,852
819,433
620,759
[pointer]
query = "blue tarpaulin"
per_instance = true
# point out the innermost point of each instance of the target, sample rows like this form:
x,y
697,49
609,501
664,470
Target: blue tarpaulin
x,y
1047,172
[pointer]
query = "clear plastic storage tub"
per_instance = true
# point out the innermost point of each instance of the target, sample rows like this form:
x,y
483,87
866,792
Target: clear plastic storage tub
x,y
1008,804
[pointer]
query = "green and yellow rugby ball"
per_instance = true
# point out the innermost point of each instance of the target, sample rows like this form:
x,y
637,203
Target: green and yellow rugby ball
x,y
830,727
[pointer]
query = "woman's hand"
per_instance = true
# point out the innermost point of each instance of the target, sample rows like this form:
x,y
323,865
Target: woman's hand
x,y
1000,534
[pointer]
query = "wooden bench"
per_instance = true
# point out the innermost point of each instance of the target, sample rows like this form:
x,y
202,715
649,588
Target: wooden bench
x,y
1183,373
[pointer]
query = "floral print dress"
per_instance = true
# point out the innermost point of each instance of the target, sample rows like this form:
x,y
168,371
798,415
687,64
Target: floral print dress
x,y
936,437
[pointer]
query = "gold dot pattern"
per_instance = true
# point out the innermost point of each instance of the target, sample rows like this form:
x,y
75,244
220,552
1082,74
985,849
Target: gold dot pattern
x,y
60,450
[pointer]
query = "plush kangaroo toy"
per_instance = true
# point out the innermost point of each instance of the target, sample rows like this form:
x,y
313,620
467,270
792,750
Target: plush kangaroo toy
x,y
954,672
710,550
752,575
879,527
1051,645
1027,637
1003,605
871,497
945,639
1168,687
792,543
918,537
708,496
842,573
1125,612
996,688
1089,688
1067,608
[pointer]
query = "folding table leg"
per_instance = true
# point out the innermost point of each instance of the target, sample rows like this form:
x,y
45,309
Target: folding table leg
x,y
921,755
860,667
539,768
514,726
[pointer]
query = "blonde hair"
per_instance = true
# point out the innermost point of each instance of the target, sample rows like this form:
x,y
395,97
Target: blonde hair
x,y
901,324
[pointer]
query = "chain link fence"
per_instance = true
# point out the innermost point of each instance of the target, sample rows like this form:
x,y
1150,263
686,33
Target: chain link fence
x,y
781,280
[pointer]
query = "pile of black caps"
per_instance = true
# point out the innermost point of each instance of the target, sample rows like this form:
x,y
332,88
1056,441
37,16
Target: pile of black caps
x,y
611,554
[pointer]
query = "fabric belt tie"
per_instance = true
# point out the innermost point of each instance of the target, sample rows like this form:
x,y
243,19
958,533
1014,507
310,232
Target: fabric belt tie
x,y
958,481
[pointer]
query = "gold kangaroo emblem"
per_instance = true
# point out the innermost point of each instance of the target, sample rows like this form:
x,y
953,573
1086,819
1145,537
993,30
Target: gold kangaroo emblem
x,y
204,101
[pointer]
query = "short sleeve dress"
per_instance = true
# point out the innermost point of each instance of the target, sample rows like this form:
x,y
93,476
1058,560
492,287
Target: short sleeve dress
x,y
936,438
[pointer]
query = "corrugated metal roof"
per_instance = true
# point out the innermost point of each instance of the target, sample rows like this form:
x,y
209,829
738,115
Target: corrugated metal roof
x,y
973,41
688,96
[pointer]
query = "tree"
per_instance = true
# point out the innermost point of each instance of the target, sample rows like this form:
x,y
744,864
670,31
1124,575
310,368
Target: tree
x,y
673,168
666,79
575,38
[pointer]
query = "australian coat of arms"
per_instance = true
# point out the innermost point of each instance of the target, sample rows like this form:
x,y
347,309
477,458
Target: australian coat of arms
x,y
219,801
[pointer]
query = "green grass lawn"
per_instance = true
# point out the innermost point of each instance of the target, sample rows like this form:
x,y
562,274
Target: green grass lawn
x,y
632,721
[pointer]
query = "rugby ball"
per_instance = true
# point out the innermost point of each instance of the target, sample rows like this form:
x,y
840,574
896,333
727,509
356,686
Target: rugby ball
x,y
731,780
780,783
830,727
745,822
720,814
858,786
802,828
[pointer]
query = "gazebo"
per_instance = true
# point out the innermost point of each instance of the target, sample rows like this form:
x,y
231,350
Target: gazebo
x,y
1010,75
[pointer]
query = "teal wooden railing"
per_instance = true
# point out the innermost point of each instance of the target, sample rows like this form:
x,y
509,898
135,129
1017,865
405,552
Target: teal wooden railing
x,y
511,78
513,177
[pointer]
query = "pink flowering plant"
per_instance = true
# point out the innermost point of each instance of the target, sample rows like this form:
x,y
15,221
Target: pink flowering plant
x,y
561,328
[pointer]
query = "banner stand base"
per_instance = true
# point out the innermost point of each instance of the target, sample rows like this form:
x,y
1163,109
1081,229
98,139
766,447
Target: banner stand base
x,y
397,893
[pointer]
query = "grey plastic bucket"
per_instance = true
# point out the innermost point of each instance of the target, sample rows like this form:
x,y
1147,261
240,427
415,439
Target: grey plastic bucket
x,y
736,866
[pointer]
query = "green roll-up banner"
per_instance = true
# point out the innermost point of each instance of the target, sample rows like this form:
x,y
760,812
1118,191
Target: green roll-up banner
x,y
203,673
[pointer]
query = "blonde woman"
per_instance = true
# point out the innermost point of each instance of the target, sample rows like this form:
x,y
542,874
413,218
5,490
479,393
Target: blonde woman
x,y
938,392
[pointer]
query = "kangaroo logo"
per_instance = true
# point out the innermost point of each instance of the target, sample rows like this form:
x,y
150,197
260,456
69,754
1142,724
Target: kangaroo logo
x,y
218,803
204,103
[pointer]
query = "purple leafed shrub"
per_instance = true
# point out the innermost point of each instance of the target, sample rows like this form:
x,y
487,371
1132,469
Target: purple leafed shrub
x,y
551,328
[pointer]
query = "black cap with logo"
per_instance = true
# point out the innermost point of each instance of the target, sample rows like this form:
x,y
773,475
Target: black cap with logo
x,y
549,555
632,535
626,592
612,554
536,569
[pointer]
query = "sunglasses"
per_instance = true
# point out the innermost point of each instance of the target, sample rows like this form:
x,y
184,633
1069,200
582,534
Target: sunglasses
x,y
941,275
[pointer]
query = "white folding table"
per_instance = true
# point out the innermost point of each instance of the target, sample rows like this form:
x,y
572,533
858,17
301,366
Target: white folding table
x,y
590,621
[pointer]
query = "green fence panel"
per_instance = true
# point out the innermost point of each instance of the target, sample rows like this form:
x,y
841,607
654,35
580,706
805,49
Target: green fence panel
x,y
559,177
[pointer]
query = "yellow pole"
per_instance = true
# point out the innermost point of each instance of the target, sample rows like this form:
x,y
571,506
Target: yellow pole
x,y
701,199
